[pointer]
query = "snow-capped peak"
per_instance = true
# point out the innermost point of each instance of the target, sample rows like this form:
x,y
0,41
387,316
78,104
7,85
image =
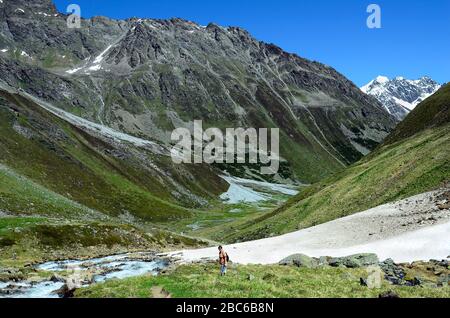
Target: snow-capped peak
x,y
382,79
400,95
378,80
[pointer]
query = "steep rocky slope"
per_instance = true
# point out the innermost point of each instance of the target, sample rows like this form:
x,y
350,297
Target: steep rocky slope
x,y
147,77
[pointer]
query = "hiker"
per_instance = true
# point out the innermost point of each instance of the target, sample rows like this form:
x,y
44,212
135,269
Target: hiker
x,y
223,260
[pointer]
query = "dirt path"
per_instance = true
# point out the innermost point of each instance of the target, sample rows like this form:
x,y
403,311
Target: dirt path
x,y
417,228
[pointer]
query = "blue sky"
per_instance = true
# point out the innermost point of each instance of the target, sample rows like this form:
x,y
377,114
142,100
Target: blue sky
x,y
414,39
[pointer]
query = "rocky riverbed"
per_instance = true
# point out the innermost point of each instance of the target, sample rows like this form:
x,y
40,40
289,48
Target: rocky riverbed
x,y
61,278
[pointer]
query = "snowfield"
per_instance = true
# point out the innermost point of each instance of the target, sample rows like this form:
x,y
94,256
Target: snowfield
x,y
242,190
401,231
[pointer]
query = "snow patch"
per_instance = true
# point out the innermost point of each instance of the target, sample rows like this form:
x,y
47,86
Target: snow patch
x,y
281,188
94,67
404,103
382,79
74,70
99,58
240,194
346,236
23,53
241,190
44,14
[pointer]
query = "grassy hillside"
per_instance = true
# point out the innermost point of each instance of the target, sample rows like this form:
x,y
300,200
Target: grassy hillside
x,y
22,195
256,281
398,169
29,240
37,225
116,180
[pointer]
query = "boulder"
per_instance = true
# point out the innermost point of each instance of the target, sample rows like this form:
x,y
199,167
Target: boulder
x,y
443,280
56,278
443,263
444,206
416,281
388,294
393,273
65,292
72,283
300,260
354,261
324,260
160,292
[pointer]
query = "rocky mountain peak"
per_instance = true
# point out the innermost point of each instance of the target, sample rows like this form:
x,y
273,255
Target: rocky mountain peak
x,y
400,95
27,7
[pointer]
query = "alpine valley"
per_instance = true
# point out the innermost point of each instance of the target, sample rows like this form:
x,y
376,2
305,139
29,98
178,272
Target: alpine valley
x,y
86,116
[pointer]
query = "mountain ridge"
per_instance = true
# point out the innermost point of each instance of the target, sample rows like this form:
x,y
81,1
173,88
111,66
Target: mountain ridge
x,y
144,77
399,95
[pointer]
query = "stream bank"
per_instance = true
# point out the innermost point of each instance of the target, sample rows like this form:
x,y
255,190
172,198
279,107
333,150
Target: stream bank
x,y
68,275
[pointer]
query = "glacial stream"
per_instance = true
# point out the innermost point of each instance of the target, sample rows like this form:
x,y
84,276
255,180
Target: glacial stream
x,y
84,273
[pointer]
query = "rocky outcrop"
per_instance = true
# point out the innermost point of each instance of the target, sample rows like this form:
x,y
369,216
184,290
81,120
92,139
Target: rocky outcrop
x,y
353,261
300,260
433,273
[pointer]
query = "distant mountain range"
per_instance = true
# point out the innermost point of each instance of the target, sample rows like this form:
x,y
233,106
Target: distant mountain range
x,y
400,95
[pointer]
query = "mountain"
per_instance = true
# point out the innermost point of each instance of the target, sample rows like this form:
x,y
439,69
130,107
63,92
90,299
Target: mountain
x,y
86,117
413,160
433,112
108,174
145,77
399,96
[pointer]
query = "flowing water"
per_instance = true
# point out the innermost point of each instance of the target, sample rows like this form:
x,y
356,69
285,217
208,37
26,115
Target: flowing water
x,y
99,269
